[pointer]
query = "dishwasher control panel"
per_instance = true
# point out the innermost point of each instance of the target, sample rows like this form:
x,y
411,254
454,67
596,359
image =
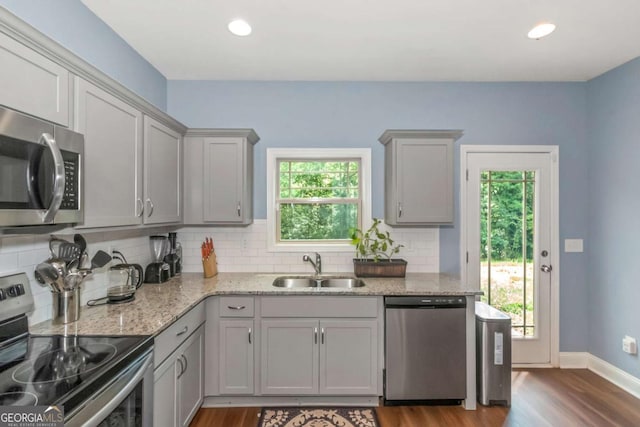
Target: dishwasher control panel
x,y
426,302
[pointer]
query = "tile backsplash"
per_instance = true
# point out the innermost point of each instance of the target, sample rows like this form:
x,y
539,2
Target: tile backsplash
x,y
22,253
244,249
238,249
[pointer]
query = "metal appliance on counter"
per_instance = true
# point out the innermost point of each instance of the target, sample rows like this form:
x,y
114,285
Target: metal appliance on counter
x,y
158,271
43,163
425,350
174,257
94,379
124,278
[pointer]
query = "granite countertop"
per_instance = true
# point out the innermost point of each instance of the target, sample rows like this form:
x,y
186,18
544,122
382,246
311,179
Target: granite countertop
x,y
158,306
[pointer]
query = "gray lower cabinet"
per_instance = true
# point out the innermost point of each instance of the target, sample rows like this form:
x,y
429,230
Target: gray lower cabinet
x,y
236,338
178,383
289,357
319,357
348,357
112,159
419,176
33,83
219,176
162,173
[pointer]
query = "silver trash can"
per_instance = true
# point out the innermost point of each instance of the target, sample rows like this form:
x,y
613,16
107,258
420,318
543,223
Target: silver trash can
x,y
493,356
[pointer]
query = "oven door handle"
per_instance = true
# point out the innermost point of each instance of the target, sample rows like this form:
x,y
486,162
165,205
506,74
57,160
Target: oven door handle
x,y
58,178
112,395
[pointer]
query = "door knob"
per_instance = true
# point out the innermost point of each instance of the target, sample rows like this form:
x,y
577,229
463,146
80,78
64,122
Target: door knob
x,y
546,268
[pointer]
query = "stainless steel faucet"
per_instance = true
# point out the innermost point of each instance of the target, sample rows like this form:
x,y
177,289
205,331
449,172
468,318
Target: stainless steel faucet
x,y
317,266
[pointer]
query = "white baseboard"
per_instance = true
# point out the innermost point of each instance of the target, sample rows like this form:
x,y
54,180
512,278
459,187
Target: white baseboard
x,y
574,360
622,379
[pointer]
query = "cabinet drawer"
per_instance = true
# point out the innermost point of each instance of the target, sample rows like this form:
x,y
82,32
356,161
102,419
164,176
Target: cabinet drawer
x,y
174,335
304,306
236,306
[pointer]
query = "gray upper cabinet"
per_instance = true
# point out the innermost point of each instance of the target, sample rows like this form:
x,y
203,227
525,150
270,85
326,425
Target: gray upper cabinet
x,y
113,157
419,176
162,173
33,83
219,176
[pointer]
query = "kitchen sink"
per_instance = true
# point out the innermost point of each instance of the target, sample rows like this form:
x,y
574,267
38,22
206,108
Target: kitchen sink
x,y
295,282
317,282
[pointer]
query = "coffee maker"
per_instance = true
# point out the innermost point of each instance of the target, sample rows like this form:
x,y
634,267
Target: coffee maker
x,y
158,271
174,257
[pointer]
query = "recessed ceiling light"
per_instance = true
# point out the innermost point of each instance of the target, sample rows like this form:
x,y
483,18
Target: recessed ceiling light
x,y
239,27
541,30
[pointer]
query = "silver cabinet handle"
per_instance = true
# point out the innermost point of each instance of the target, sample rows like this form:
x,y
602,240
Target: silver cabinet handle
x,y
186,362
179,360
249,335
139,203
236,307
322,336
399,210
238,208
183,331
315,335
58,177
546,268
150,203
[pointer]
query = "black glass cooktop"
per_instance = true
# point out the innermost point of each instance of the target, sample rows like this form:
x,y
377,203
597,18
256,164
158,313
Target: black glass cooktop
x,y
63,370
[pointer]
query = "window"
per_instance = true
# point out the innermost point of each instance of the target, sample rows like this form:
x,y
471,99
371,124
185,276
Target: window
x,y
315,196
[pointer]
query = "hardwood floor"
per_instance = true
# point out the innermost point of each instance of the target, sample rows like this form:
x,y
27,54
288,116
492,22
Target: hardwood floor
x,y
540,397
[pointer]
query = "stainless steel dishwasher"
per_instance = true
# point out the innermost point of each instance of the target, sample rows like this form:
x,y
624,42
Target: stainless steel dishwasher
x,y
425,350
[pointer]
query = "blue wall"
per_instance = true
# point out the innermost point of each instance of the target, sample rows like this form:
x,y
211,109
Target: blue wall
x,y
614,219
73,25
354,114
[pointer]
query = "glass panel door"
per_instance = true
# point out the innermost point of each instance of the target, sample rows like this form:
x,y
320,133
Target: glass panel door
x,y
506,246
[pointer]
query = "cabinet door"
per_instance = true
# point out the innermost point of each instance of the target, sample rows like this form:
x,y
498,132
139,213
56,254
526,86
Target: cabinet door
x,y
424,181
348,357
289,357
165,393
190,380
236,356
113,157
223,180
32,83
162,156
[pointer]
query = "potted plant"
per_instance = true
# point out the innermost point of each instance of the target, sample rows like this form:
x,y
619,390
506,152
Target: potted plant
x,y
374,249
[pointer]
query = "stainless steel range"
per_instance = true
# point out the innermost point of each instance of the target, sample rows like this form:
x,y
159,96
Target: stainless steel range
x,y
98,380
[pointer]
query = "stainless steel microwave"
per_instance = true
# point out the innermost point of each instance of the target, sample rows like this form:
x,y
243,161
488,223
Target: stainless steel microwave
x,y
40,172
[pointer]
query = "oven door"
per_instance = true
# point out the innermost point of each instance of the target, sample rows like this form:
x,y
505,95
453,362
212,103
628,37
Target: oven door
x,y
125,401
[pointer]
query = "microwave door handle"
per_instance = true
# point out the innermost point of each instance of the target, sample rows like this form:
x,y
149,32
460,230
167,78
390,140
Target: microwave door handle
x,y
58,180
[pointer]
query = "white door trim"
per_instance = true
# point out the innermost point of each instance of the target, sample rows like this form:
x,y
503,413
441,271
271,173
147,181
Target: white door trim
x,y
554,309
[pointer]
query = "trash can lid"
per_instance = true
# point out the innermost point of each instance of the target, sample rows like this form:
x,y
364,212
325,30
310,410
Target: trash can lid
x,y
485,312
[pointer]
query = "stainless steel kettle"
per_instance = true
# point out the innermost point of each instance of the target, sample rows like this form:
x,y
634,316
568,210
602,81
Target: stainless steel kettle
x,y
133,274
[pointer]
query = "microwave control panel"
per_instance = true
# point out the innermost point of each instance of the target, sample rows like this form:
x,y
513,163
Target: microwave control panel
x,y
70,200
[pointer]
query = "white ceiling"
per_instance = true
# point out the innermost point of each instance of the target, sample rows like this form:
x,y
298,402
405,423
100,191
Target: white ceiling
x,y
378,40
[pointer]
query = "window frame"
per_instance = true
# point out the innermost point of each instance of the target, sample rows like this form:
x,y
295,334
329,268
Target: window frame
x,y
276,154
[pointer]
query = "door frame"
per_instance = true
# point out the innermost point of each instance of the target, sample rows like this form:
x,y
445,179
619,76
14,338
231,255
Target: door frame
x,y
554,300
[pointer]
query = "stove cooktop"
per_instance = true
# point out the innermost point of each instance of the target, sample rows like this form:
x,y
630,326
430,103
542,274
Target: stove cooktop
x,y
63,370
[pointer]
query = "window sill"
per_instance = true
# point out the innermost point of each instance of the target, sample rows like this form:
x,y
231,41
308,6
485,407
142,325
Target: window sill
x,y
310,247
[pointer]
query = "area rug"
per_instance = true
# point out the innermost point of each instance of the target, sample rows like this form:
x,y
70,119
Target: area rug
x,y
318,417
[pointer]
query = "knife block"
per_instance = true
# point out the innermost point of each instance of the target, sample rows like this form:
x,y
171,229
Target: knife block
x,y
210,266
